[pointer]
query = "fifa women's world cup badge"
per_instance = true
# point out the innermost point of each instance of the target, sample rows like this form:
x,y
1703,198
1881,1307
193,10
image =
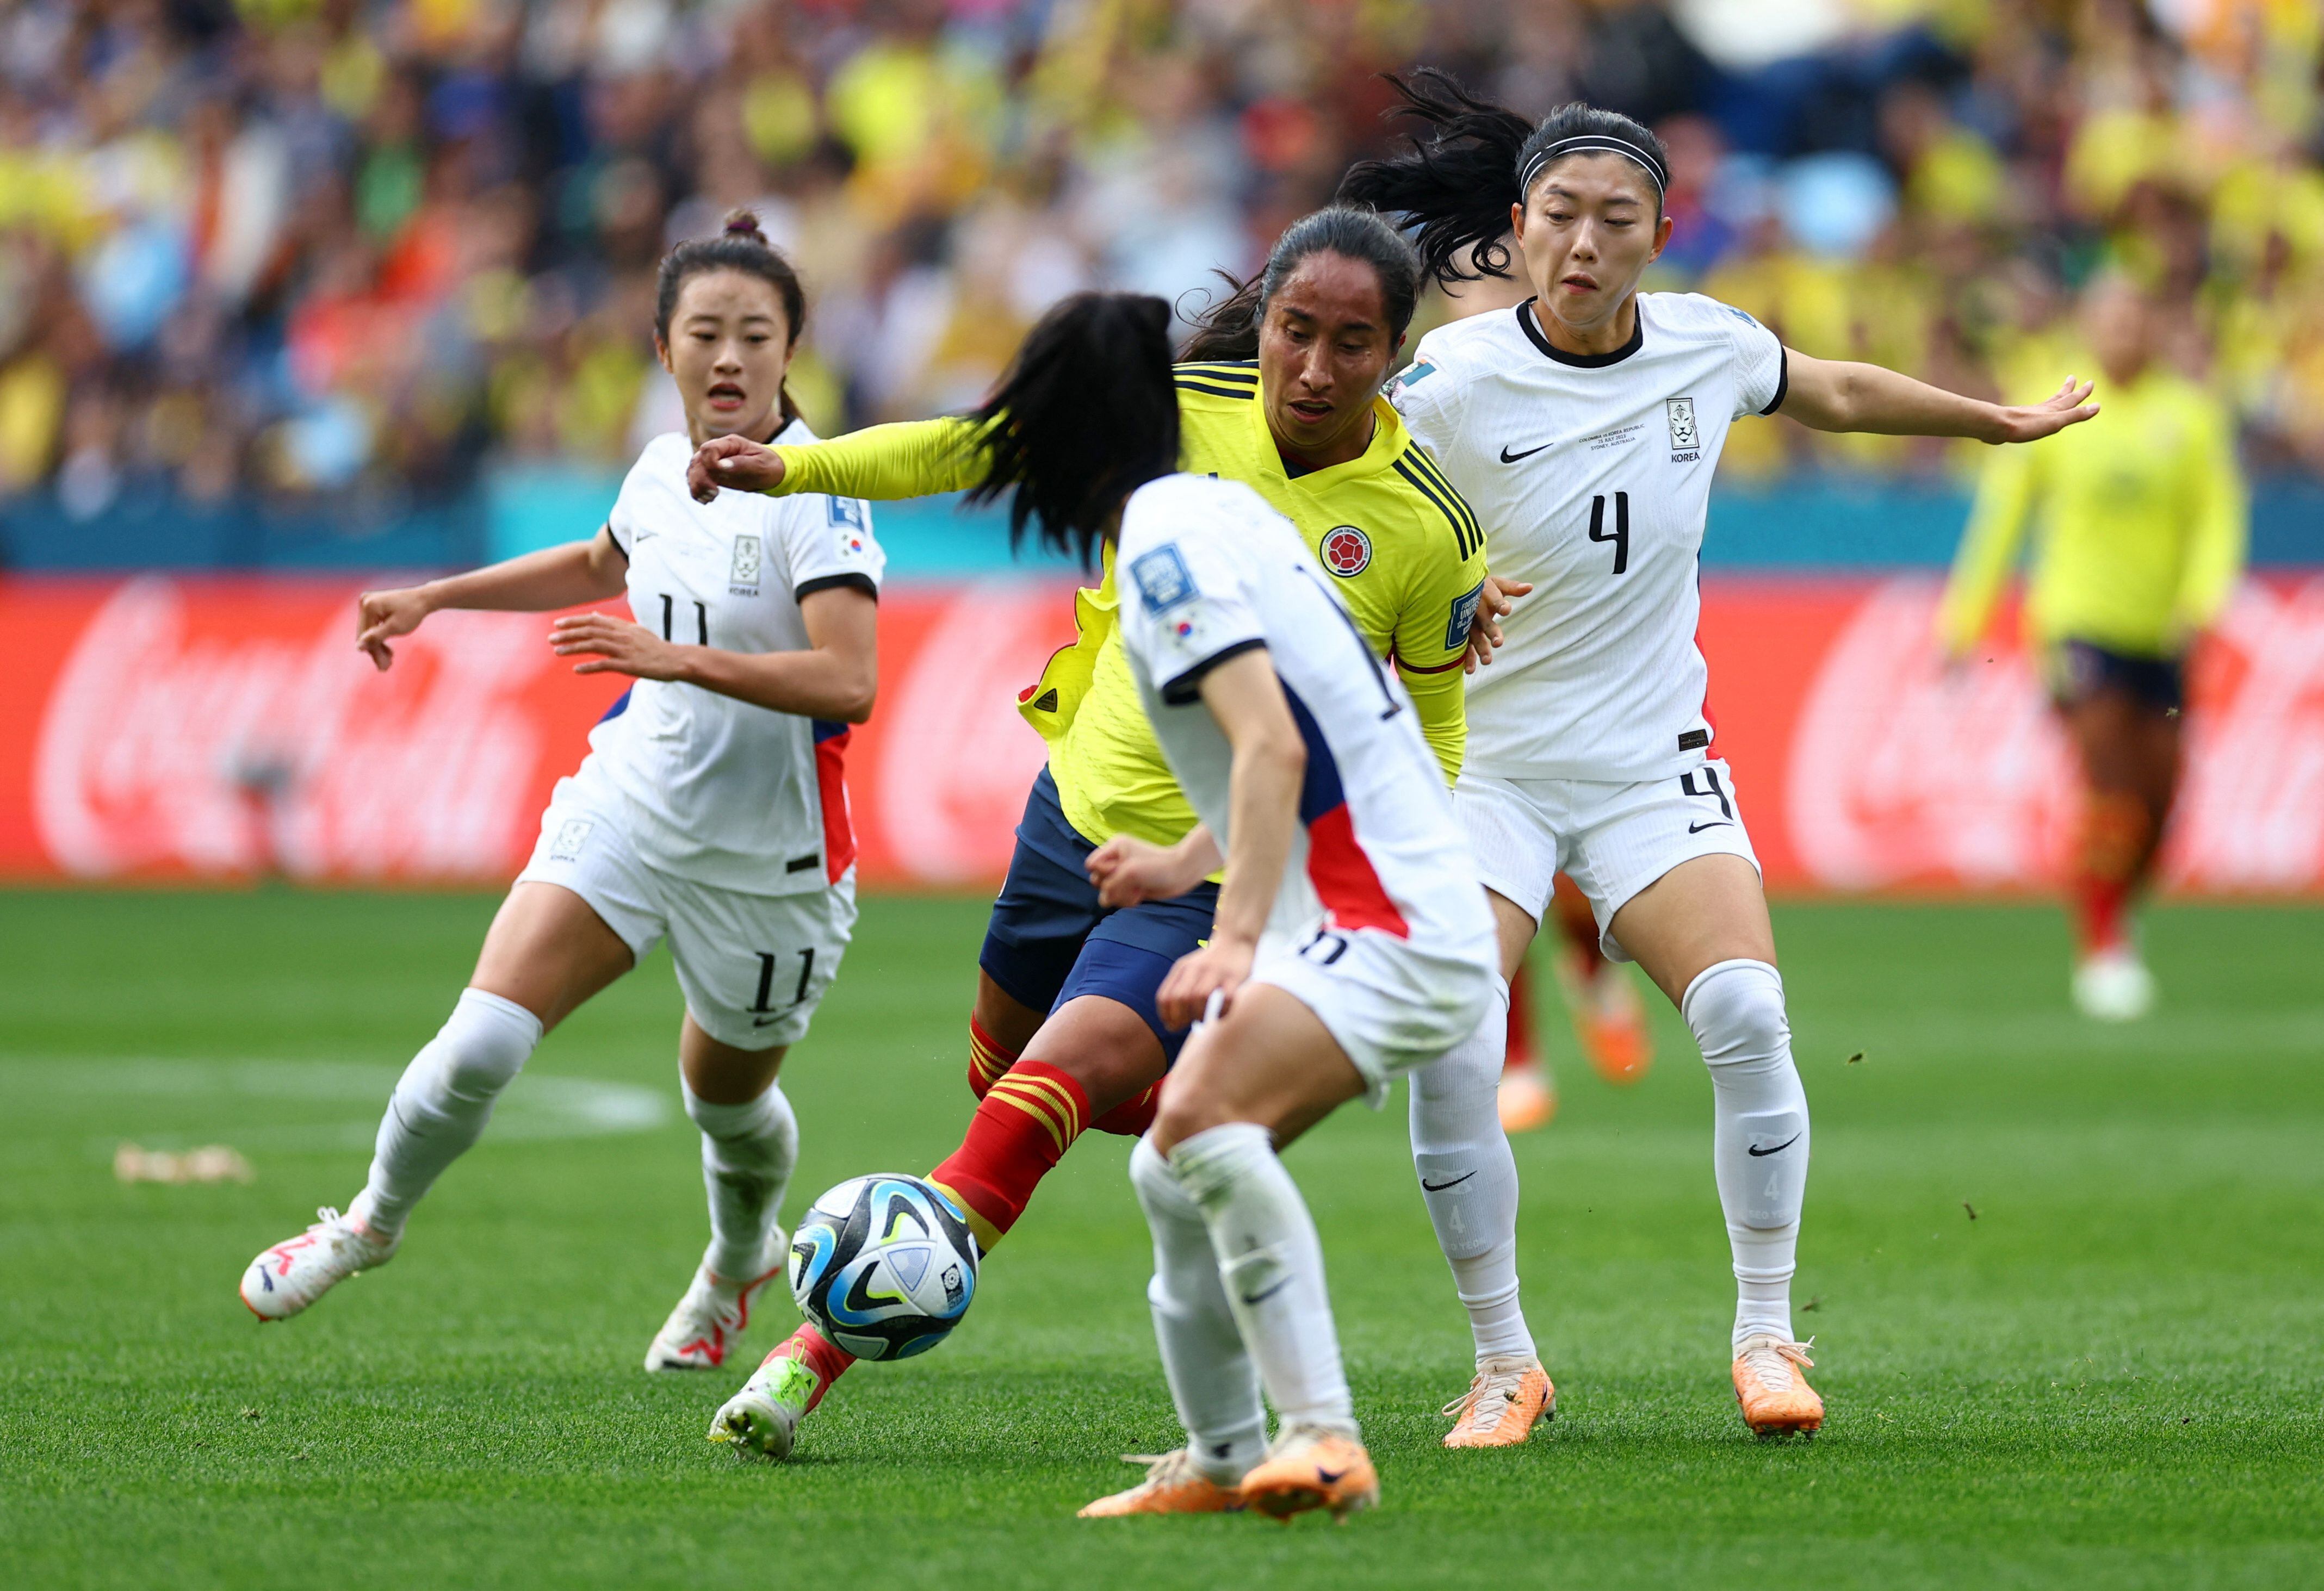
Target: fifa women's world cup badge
x,y
1346,551
1686,441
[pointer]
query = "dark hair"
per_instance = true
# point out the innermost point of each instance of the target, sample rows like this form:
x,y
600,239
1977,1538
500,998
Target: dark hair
x,y
1229,329
1465,170
1085,415
741,246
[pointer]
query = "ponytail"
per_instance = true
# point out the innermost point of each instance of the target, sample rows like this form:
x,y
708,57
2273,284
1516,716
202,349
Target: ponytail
x,y
1474,160
1084,416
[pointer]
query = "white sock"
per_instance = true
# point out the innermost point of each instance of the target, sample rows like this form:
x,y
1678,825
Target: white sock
x,y
1210,1373
441,1103
1271,1265
1469,1180
1759,1147
748,1151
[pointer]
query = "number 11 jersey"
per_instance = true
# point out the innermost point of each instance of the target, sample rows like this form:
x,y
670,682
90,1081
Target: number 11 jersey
x,y
1591,476
721,791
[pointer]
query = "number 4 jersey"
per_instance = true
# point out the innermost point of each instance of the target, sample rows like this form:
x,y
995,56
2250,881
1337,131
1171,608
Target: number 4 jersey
x,y
719,791
1591,476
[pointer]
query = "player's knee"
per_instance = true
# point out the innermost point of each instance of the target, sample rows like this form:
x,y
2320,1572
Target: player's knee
x,y
1736,1009
487,1042
1157,1183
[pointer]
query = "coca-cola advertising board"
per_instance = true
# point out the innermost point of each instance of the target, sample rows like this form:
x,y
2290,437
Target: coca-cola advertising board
x,y
224,728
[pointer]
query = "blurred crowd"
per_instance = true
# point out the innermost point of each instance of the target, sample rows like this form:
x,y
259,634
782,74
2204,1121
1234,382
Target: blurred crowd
x,y
310,248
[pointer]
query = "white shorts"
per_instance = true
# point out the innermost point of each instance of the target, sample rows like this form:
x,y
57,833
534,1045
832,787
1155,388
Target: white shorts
x,y
1391,1004
1613,839
753,967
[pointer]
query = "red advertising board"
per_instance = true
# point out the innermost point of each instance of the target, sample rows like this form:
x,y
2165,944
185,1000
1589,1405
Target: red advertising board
x,y
160,728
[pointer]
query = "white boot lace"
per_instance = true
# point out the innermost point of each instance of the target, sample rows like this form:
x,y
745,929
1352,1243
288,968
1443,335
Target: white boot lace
x,y
1770,1358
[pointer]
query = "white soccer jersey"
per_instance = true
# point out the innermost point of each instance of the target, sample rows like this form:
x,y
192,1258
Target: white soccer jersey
x,y
720,791
1216,572
1591,476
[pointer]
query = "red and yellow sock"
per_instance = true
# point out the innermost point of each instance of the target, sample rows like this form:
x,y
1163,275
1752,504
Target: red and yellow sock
x,y
817,1352
2115,840
1022,1128
1133,1115
987,1059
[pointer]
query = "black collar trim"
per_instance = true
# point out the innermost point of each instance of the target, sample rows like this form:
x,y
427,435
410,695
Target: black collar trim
x,y
1584,361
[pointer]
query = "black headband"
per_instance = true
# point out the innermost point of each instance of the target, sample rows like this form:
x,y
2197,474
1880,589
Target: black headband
x,y
1594,144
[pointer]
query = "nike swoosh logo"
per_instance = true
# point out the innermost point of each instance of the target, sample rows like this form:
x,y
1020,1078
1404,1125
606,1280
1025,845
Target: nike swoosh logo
x,y
1717,824
1271,1292
1509,457
763,1021
1440,1187
1330,1477
1778,1149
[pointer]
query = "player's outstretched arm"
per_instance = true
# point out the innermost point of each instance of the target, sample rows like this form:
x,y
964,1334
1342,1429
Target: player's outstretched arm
x,y
1840,395
1270,759
554,577
912,458
836,677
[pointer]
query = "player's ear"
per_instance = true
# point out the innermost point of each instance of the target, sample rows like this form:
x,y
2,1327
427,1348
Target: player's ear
x,y
1661,239
661,352
1516,219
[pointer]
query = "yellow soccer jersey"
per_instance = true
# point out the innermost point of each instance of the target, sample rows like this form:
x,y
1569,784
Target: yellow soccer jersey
x,y
2138,518
1408,555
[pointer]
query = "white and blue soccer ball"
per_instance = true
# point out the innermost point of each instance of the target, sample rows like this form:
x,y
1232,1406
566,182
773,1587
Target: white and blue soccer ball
x,y
884,1265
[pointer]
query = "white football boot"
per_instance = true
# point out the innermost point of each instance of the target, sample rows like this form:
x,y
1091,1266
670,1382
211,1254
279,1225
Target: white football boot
x,y
711,1318
2114,986
763,1418
298,1271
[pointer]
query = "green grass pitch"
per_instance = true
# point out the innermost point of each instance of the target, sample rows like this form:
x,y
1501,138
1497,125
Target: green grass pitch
x,y
2113,1373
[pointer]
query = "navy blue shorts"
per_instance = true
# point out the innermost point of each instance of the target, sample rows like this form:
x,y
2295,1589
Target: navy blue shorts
x,y
1049,941
2080,669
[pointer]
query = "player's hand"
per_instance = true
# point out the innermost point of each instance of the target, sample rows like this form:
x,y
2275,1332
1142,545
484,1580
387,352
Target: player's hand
x,y
614,646
1127,871
1220,968
733,461
2069,405
1497,601
380,615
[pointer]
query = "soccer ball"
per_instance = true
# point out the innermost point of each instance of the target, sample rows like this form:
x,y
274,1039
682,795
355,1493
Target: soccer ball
x,y
884,1265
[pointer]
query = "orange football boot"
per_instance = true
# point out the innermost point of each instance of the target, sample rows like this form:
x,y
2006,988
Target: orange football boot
x,y
1528,1097
1775,1396
1502,1405
1609,1018
1172,1485
1307,1468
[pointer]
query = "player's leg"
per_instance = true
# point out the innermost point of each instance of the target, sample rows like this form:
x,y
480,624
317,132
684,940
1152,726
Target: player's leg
x,y
750,1143
1094,1053
754,969
1045,908
1701,931
2127,736
1212,1382
1259,1076
1094,1060
1527,1089
1468,1182
1097,1061
548,951
1610,1019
